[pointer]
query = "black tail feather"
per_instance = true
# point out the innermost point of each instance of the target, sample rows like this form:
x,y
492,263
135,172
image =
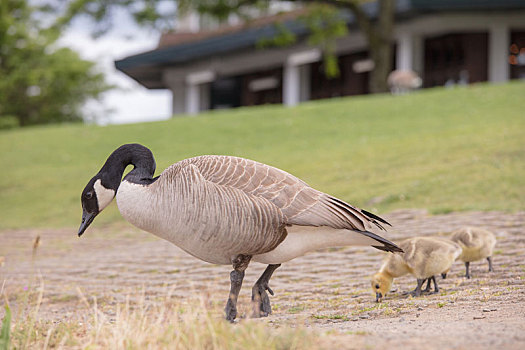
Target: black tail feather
x,y
387,245
374,216
353,210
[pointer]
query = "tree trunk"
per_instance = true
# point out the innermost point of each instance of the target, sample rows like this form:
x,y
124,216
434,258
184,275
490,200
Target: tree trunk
x,y
381,54
378,34
380,47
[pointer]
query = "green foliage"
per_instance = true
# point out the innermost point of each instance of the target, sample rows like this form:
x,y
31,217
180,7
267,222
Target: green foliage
x,y
222,9
284,38
323,18
6,330
439,148
8,122
325,21
40,83
158,14
326,25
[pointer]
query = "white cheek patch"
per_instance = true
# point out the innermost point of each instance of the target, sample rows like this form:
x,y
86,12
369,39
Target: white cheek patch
x,y
104,195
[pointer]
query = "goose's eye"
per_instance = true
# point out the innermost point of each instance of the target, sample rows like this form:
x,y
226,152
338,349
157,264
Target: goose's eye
x,y
377,286
89,195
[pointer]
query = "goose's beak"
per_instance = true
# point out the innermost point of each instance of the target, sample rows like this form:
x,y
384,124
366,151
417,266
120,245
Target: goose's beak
x,y
379,296
87,219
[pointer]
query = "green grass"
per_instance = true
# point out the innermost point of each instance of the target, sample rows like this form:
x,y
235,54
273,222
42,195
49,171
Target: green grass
x,y
5,330
444,150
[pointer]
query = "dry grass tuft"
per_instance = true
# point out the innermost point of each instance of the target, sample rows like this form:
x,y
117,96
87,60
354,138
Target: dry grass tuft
x,y
171,324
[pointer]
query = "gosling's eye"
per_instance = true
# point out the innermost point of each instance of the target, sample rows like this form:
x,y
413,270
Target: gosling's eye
x,y
377,286
89,195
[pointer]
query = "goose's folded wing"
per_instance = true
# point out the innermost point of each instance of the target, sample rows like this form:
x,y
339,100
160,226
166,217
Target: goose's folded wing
x,y
253,223
409,248
465,237
301,204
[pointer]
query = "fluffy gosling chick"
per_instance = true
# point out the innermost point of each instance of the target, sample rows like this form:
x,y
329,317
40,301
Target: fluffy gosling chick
x,y
423,257
476,244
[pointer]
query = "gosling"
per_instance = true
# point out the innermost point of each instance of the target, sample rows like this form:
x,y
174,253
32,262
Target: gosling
x,y
476,244
423,257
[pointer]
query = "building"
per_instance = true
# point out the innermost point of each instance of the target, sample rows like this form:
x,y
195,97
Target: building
x,y
444,41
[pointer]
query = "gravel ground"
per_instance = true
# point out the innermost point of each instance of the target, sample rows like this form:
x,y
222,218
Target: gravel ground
x,y
325,290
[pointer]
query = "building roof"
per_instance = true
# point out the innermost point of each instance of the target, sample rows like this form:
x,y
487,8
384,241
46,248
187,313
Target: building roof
x,y
176,38
180,48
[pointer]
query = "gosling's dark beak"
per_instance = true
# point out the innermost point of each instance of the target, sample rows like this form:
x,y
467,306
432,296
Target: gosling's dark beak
x,y
379,296
444,275
87,219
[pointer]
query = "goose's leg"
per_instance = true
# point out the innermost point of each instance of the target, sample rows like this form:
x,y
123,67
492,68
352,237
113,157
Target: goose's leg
x,y
489,259
240,263
417,291
260,299
429,284
436,288
467,274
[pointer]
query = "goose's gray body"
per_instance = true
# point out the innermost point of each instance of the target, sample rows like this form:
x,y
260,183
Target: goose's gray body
x,y
212,222
216,207
228,210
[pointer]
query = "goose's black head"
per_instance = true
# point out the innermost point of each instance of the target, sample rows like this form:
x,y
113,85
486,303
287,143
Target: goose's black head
x,y
102,188
95,197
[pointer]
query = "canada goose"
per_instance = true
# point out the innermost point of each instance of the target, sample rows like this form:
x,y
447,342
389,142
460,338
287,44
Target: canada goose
x,y
228,210
423,257
403,81
476,244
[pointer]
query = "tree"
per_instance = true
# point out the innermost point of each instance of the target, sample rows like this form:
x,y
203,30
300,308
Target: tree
x,y
326,25
39,82
379,39
324,19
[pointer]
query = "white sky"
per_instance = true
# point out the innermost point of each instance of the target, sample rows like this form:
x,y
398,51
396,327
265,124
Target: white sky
x,y
131,102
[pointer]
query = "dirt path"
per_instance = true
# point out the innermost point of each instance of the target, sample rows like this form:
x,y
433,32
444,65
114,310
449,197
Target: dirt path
x,y
324,290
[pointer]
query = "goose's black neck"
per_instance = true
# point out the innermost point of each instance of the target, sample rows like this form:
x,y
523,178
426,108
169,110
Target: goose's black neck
x,y
137,155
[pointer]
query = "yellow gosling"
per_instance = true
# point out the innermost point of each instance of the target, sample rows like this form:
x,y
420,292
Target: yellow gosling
x,y
476,244
423,257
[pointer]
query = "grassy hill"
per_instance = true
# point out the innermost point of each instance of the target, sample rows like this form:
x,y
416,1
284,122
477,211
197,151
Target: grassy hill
x,y
444,150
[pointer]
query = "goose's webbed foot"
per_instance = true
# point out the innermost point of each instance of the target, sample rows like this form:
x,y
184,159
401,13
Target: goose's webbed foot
x,y
412,292
417,292
260,299
262,307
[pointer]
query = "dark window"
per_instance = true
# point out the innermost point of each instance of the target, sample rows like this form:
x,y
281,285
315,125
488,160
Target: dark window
x,y
225,93
456,59
353,78
517,55
267,93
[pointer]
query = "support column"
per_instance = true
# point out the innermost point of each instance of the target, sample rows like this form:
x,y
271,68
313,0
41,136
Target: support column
x,y
418,56
304,87
499,40
178,99
405,52
194,85
192,99
291,83
293,92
